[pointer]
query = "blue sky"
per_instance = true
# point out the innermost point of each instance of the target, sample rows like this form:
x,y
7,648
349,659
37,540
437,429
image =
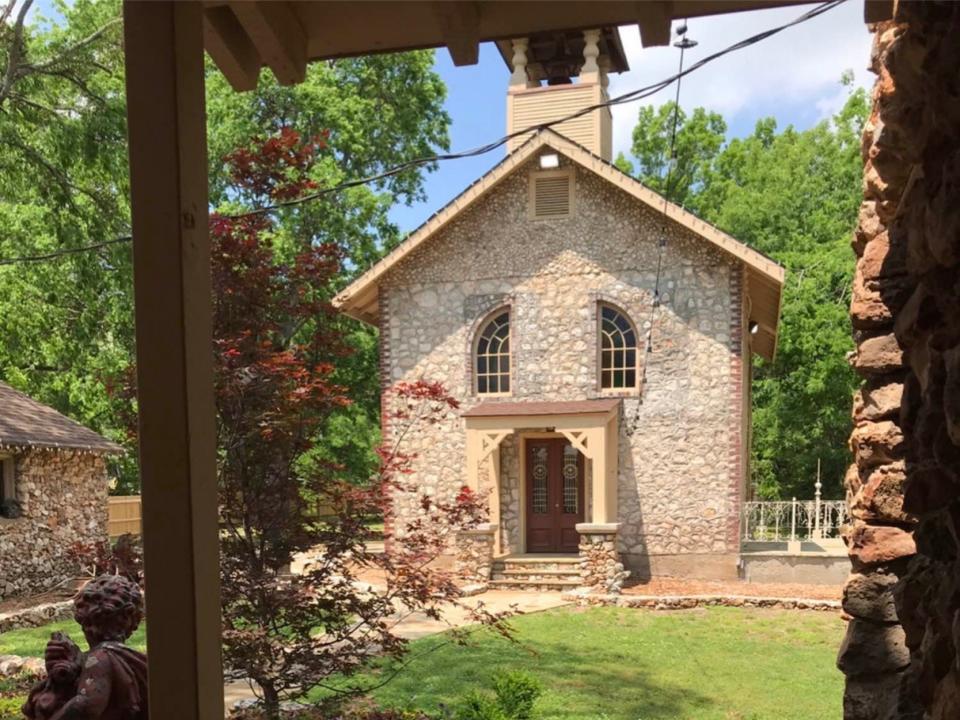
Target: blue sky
x,y
794,77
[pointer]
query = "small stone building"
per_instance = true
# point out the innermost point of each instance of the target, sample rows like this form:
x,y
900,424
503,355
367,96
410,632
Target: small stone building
x,y
53,481
597,337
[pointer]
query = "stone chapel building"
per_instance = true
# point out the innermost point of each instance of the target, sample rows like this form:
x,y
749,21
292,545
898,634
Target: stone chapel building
x,y
533,296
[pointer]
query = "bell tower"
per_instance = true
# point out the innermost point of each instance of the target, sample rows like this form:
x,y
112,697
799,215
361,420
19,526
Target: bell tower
x,y
555,74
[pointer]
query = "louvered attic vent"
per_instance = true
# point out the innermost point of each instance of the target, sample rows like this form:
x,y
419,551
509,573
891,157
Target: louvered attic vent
x,y
551,194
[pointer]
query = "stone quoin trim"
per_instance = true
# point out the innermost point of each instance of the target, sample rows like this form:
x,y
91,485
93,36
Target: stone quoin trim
x,y
736,430
385,383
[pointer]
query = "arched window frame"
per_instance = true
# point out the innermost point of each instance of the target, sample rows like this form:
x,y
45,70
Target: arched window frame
x,y
478,334
628,388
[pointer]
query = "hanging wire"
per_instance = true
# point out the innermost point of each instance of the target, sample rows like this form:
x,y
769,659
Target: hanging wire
x,y
684,43
631,96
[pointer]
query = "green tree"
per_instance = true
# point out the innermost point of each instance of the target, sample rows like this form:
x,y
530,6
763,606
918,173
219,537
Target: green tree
x,y
794,196
67,323
374,113
698,141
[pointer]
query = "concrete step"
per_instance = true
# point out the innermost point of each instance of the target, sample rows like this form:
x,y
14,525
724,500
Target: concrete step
x,y
537,566
545,584
536,572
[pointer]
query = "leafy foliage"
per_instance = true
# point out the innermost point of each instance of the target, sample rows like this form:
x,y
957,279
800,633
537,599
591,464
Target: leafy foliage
x,y
122,557
276,339
794,196
67,322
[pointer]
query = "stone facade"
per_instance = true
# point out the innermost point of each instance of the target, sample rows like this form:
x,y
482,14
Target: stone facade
x,y
900,653
600,568
63,496
681,465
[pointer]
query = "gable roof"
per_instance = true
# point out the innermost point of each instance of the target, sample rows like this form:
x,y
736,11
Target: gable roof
x,y
25,423
763,277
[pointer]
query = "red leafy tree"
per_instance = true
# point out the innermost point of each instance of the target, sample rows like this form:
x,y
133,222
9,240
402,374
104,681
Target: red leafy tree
x,y
275,348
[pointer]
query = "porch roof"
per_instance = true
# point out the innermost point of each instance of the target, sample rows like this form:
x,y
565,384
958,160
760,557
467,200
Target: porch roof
x,y
494,408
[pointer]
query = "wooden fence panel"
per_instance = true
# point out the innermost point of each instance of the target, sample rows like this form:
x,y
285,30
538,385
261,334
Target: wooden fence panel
x,y
124,514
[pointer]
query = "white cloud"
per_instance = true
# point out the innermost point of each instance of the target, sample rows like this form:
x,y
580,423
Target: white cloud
x,y
796,71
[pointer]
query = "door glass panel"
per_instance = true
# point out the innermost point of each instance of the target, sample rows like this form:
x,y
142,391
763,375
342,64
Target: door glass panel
x,y
538,477
571,471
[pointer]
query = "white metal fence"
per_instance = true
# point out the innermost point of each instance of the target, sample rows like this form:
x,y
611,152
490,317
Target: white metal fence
x,y
770,521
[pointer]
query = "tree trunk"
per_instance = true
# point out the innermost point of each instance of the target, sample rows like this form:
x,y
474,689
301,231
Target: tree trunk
x,y
271,701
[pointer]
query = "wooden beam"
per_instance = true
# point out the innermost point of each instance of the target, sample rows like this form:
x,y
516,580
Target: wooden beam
x,y
230,48
163,47
460,28
654,18
875,11
278,36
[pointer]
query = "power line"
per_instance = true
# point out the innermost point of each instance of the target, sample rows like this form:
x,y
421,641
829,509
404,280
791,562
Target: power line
x,y
67,251
684,43
632,96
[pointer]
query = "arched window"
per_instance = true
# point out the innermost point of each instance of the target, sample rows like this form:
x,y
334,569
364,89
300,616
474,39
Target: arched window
x,y
492,355
618,350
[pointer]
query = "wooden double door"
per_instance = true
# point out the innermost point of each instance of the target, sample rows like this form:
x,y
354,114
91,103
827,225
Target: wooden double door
x,y
554,502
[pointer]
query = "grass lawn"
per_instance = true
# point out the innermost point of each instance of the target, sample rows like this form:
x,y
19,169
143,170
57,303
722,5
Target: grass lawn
x,y
33,641
624,664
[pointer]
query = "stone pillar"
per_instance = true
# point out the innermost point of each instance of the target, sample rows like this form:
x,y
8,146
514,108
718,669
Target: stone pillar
x,y
474,561
600,568
874,655
901,657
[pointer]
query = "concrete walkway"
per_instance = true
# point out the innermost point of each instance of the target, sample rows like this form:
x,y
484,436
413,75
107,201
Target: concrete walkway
x,y
419,625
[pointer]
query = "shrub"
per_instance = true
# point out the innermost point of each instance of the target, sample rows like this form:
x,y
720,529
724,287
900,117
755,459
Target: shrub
x,y
480,706
516,692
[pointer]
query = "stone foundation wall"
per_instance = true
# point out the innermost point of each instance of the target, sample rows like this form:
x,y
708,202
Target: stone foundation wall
x,y
474,561
901,658
63,495
600,568
678,485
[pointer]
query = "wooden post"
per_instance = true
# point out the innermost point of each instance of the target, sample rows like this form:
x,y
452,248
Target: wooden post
x,y
163,45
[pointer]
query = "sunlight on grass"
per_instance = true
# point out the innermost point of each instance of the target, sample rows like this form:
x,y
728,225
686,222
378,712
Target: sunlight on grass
x,y
621,664
31,642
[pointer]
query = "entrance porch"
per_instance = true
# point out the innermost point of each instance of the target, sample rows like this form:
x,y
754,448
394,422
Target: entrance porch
x,y
549,471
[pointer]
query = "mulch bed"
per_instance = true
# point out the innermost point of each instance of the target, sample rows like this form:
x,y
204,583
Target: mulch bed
x,y
676,586
66,591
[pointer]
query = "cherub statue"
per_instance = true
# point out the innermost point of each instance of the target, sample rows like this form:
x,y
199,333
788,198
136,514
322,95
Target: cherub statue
x,y
109,682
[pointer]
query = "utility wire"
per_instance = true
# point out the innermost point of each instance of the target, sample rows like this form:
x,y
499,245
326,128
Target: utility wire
x,y
684,43
632,96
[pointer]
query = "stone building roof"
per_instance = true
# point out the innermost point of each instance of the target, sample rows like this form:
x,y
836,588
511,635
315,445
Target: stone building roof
x,y
25,423
763,277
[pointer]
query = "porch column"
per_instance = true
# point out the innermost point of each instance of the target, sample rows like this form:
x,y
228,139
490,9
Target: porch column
x,y
598,443
481,445
163,46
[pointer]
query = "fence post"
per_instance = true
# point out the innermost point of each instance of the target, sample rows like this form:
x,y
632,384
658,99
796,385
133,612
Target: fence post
x,y
816,504
793,519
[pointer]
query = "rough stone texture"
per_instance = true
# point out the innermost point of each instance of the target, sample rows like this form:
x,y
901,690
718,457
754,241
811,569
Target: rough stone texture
x,y
63,495
600,567
475,554
904,664
679,483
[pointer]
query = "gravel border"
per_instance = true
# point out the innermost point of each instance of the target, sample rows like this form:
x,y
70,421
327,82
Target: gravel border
x,y
687,602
